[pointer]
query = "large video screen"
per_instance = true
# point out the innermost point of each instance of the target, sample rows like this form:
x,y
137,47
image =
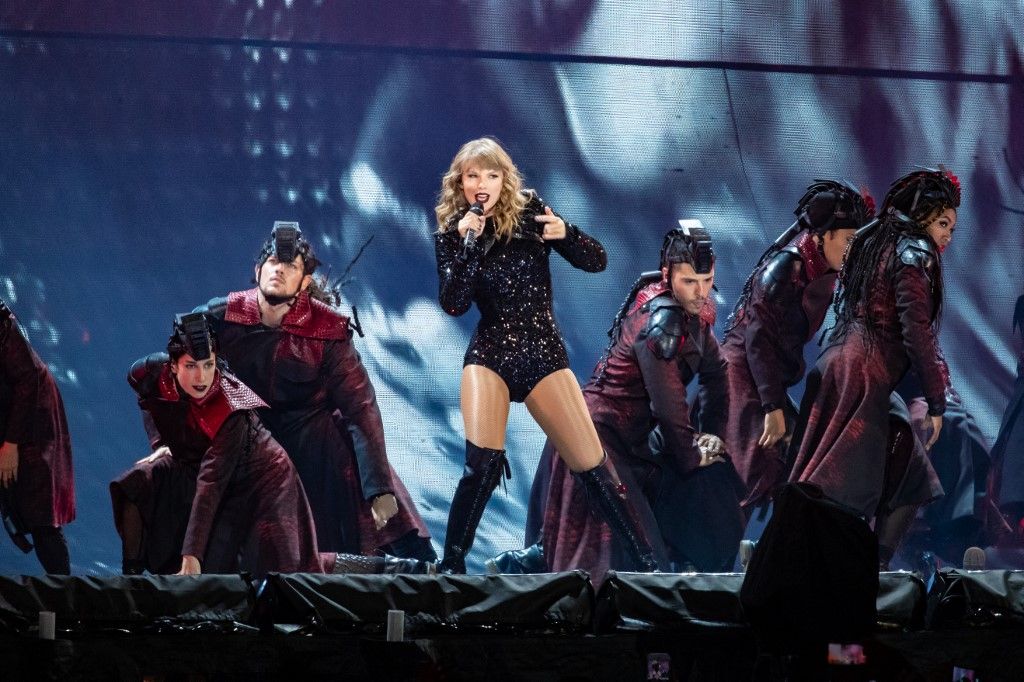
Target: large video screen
x,y
141,169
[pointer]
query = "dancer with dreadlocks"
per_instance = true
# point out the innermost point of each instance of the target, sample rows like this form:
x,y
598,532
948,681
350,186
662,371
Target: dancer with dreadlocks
x,y
783,304
887,305
286,340
661,340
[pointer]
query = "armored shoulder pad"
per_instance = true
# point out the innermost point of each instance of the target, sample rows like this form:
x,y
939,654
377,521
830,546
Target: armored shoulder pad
x,y
916,251
665,328
783,268
145,372
214,308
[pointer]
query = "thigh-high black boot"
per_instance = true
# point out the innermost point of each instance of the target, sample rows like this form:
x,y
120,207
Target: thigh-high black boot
x,y
608,496
483,472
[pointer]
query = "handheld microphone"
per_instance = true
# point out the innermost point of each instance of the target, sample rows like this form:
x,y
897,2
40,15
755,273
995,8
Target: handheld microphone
x,y
469,240
974,559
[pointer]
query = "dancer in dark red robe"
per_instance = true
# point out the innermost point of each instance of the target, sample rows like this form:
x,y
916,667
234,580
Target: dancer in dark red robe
x,y
783,304
247,491
889,298
661,340
960,458
1007,483
37,485
296,353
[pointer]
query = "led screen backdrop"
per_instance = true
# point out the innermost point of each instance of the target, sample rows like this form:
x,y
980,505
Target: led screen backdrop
x,y
144,156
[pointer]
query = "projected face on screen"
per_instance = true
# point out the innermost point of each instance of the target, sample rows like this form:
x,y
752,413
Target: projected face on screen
x,y
206,141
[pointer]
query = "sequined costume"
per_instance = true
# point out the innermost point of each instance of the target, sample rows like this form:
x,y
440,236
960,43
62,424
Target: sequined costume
x,y
764,349
42,498
517,336
323,411
640,384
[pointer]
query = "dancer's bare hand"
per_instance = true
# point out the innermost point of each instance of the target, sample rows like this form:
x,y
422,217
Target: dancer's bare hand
x,y
190,565
383,508
162,451
711,448
936,426
8,464
774,428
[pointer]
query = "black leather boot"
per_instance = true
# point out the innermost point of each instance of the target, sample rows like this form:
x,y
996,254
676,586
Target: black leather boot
x,y
608,496
518,561
52,549
484,470
380,565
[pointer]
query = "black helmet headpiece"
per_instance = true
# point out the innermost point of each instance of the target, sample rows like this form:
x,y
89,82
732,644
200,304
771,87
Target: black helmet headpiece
x,y
191,334
285,243
921,193
688,243
834,205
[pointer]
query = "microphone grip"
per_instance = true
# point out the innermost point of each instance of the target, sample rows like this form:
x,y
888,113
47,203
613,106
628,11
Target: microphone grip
x,y
468,242
476,208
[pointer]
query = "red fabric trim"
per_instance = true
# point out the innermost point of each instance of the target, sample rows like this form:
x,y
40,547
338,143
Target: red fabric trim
x,y
307,317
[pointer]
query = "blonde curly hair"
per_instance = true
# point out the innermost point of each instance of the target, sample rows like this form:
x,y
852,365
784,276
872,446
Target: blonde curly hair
x,y
489,155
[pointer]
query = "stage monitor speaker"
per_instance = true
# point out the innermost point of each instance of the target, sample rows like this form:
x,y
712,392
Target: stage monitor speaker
x,y
814,573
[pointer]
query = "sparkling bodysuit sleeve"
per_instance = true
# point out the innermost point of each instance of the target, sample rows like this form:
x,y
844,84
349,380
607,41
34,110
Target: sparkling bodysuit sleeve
x,y
581,250
456,272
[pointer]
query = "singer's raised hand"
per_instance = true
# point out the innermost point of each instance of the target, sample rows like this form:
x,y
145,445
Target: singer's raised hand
x,y
471,221
554,227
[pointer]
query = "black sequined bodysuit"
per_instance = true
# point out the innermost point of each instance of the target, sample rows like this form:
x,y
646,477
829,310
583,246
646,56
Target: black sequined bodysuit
x,y
510,281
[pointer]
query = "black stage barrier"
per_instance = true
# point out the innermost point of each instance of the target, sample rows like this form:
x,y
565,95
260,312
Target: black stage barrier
x,y
90,602
471,627
513,602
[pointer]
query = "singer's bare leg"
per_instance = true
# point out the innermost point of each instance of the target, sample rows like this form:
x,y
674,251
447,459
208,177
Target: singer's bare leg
x,y
556,403
485,403
558,406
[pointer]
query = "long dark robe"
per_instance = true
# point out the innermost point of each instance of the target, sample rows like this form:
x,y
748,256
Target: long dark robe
x,y
633,390
763,350
323,411
842,435
32,416
243,492
1008,451
960,458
